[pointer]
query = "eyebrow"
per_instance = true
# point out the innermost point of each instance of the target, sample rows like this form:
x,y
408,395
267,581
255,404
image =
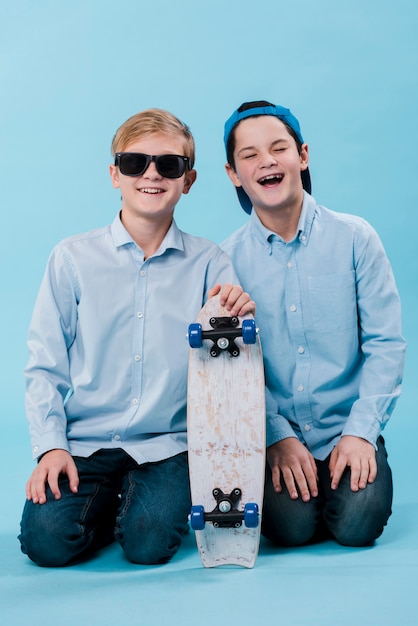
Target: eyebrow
x,y
273,143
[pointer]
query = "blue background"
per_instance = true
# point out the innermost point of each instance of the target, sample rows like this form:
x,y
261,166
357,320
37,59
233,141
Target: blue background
x,y
72,72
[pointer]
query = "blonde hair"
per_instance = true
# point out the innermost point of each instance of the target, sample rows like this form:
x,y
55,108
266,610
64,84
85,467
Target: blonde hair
x,y
149,122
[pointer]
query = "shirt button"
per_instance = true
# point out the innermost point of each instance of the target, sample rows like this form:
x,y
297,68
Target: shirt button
x,y
293,308
137,357
300,388
135,401
36,448
307,427
139,314
303,238
116,437
290,265
301,349
142,273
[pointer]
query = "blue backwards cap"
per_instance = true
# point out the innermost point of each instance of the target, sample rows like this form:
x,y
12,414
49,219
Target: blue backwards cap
x,y
264,109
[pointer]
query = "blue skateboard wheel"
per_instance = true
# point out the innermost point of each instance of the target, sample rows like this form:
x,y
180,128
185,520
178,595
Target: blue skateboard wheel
x,y
197,517
195,335
251,515
249,331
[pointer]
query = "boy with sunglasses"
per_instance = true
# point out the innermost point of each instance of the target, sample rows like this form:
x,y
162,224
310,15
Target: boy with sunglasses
x,y
107,373
330,316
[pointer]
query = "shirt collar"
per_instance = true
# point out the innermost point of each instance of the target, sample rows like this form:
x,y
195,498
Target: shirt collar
x,y
172,240
304,226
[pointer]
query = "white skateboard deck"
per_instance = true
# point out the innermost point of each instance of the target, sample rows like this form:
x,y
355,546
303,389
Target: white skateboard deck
x,y
226,439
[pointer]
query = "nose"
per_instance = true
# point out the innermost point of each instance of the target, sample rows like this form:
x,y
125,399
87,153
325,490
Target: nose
x,y
267,159
151,171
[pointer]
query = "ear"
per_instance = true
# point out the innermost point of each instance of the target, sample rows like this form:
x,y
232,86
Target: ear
x,y
189,179
114,176
304,156
232,175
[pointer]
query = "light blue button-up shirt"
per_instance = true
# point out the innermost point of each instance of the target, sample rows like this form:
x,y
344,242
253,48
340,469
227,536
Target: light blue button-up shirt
x,y
107,342
330,326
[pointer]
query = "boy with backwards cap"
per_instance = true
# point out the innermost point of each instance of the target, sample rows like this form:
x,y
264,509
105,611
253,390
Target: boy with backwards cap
x,y
330,321
107,373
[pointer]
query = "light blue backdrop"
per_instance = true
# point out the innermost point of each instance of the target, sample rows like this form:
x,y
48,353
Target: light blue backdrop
x,y
72,71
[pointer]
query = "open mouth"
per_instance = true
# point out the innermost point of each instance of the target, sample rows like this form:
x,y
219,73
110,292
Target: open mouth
x,y
272,179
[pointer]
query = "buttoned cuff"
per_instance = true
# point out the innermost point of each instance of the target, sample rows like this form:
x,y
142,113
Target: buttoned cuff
x,y
278,428
51,440
364,426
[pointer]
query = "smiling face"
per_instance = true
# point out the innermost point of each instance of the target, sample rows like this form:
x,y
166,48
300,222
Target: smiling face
x,y
150,196
268,166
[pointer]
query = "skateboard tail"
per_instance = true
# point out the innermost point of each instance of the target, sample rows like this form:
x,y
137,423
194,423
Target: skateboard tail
x,y
221,547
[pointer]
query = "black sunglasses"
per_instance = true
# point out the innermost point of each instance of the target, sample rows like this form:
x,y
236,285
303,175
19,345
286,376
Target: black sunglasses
x,y
136,163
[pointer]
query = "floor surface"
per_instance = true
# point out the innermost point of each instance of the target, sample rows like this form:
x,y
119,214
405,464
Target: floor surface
x,y
324,584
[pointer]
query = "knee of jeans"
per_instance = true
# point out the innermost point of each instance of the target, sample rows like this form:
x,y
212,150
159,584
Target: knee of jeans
x,y
355,538
153,547
359,527
290,536
289,523
48,545
150,550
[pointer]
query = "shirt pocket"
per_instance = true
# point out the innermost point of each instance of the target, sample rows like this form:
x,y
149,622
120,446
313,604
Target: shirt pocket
x,y
333,302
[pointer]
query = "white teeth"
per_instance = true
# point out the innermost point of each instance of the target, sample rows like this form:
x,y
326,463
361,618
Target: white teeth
x,y
272,177
150,190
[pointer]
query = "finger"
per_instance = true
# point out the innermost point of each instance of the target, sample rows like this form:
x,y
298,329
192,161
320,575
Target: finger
x,y
368,472
29,489
289,480
314,468
40,497
214,291
332,461
311,474
36,486
224,293
356,472
372,470
38,494
275,477
336,473
53,485
303,484
364,475
243,306
73,478
230,296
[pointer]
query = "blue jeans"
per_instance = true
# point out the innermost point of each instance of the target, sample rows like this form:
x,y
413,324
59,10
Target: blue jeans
x,y
352,518
144,507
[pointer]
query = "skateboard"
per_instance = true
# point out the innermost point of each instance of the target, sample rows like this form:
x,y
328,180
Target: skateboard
x,y
226,435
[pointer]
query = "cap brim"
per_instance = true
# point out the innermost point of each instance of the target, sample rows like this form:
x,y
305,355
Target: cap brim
x,y
244,200
306,180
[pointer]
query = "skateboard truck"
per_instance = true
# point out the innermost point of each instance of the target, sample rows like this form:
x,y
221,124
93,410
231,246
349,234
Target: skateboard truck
x,y
225,514
224,331
223,334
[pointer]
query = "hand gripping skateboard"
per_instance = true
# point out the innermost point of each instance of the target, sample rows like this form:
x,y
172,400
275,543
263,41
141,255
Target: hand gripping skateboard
x,y
226,436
